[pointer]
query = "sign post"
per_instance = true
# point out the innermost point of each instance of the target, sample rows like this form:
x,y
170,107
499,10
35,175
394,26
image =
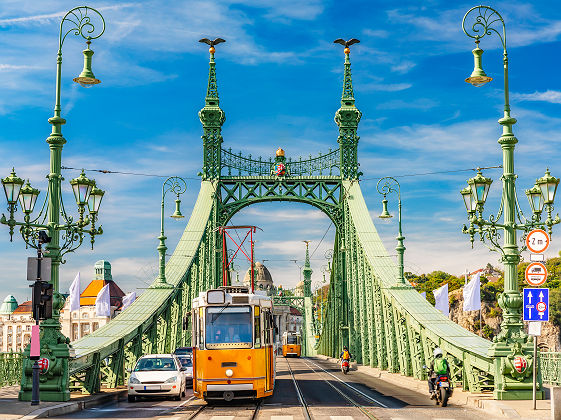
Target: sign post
x,y
535,329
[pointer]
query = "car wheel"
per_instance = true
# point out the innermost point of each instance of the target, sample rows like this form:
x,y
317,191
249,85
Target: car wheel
x,y
177,397
131,398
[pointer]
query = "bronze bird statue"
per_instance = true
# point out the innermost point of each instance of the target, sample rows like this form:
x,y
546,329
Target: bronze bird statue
x,y
212,43
346,44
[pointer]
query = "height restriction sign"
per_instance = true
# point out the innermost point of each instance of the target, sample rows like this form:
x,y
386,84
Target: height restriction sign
x,y
536,274
537,241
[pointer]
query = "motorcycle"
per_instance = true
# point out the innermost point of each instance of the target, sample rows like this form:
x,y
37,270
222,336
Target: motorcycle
x,y
345,366
442,389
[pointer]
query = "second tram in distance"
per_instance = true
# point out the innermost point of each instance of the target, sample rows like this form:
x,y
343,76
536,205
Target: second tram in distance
x,y
233,336
291,344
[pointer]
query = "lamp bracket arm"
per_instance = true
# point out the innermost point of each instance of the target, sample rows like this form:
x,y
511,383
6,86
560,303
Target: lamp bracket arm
x,y
388,185
485,20
519,213
80,19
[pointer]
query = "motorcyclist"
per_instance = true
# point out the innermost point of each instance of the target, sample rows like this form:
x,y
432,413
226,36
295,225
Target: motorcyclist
x,y
345,354
439,366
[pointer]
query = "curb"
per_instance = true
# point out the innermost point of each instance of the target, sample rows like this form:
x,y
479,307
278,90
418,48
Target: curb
x,y
73,406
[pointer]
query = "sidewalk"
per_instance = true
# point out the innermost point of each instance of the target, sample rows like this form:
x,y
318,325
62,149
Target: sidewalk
x,y
520,410
11,408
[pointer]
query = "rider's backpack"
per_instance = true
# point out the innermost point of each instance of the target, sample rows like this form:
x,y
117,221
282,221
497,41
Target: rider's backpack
x,y
440,366
346,355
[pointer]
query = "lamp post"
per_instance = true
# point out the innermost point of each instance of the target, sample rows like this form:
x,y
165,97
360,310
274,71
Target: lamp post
x,y
512,341
177,186
54,346
385,186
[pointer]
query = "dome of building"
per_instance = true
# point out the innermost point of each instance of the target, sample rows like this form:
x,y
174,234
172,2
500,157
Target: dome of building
x,y
9,305
262,277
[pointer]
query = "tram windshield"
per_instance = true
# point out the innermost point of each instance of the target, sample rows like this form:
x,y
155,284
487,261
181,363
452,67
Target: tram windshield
x,y
292,339
228,326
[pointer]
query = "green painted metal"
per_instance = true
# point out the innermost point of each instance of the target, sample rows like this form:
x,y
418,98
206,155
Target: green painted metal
x,y
177,186
10,368
512,341
55,346
389,327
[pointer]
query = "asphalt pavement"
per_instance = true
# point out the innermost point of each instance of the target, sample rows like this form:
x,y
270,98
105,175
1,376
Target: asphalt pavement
x,y
304,389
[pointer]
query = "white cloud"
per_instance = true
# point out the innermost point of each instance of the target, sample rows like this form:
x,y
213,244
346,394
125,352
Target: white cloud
x,y
551,96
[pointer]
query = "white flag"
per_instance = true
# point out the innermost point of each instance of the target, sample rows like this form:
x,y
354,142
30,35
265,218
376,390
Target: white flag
x,y
472,294
74,292
441,299
103,302
128,299
424,294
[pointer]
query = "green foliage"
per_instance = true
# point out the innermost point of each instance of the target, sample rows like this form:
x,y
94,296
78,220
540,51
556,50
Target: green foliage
x,y
495,312
488,332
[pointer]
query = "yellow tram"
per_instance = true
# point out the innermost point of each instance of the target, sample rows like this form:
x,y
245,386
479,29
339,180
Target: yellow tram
x,y
233,335
291,344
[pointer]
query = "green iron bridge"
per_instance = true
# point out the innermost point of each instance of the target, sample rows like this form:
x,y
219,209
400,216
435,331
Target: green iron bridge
x,y
388,325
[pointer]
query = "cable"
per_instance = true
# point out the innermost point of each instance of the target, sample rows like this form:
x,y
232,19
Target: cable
x,y
438,172
107,171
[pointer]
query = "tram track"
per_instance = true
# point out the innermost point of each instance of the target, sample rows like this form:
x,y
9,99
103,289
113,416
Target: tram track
x,y
301,398
202,408
352,401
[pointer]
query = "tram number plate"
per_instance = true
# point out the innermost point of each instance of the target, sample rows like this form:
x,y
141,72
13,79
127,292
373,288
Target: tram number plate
x,y
151,387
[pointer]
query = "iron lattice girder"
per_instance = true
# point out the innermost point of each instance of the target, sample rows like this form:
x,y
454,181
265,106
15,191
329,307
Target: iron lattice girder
x,y
324,193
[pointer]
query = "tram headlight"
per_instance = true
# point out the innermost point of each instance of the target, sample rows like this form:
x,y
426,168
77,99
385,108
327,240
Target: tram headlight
x,y
229,372
171,380
133,380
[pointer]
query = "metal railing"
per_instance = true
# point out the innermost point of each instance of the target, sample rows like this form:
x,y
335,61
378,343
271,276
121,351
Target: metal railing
x,y
238,165
10,368
550,367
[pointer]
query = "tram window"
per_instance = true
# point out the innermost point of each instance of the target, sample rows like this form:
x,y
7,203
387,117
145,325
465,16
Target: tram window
x,y
228,326
257,326
200,334
291,339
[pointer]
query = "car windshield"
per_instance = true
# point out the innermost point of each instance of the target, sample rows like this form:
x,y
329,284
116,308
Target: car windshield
x,y
183,350
186,361
155,363
228,326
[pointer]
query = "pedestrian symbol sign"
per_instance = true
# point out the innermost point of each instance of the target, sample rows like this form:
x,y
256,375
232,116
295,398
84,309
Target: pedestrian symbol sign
x,y
536,304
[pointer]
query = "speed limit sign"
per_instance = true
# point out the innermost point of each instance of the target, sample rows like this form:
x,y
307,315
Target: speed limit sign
x,y
537,241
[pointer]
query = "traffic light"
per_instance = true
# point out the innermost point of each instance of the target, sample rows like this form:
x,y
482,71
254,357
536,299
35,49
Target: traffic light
x,y
42,300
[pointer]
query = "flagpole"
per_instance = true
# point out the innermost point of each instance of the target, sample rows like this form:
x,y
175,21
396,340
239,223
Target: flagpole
x,y
480,324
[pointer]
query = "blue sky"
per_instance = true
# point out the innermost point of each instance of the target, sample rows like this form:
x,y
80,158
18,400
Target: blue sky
x,y
280,83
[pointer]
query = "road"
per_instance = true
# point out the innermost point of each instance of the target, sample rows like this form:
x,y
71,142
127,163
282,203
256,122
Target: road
x,y
305,389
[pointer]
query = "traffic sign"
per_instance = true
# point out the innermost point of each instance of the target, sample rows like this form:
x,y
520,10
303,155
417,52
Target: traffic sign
x,y
537,241
536,304
536,274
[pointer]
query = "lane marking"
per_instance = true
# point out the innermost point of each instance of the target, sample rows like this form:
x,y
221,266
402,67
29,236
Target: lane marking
x,y
179,405
350,386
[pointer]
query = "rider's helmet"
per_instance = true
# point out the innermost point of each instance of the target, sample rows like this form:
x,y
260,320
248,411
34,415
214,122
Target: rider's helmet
x,y
345,348
437,352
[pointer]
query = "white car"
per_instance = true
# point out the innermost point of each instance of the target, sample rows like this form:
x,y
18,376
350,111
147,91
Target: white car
x,y
187,364
157,375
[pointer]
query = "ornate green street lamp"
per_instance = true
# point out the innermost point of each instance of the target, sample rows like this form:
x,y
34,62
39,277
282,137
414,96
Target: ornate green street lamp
x,y
385,186
54,386
512,341
177,186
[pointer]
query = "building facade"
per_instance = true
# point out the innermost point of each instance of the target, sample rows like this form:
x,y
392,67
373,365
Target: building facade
x,y
15,325
79,323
